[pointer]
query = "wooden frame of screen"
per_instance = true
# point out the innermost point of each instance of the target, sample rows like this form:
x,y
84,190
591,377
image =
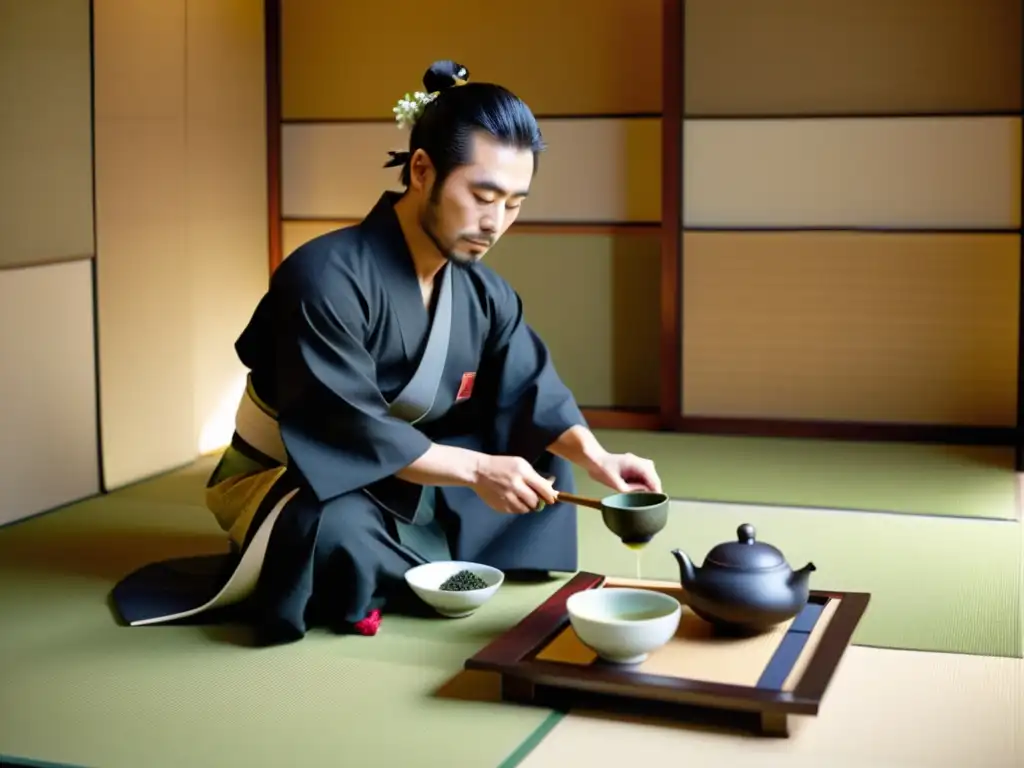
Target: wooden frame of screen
x,y
669,415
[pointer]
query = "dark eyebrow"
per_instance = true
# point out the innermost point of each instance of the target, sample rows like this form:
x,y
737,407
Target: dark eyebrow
x,y
490,186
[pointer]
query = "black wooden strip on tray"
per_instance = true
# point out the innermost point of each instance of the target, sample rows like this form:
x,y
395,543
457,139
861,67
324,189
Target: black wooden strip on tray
x,y
808,617
789,650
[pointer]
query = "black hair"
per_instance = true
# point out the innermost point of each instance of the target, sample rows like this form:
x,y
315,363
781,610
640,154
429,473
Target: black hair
x,y
446,125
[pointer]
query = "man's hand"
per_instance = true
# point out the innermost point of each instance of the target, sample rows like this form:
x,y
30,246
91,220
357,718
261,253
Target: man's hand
x,y
625,472
621,471
511,484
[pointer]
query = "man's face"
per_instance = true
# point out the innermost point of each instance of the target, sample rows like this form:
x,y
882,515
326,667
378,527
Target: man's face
x,y
478,202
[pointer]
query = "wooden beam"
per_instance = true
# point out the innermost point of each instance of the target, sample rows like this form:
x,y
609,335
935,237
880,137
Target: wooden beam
x,y
622,418
272,48
671,210
1019,447
541,117
617,229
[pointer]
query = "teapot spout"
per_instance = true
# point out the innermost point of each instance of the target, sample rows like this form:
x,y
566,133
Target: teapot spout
x,y
801,577
687,573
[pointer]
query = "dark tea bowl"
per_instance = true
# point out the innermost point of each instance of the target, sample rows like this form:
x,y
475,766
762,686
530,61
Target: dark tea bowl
x,y
635,517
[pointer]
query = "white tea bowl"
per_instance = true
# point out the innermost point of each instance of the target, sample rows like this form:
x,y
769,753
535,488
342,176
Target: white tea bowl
x,y
623,625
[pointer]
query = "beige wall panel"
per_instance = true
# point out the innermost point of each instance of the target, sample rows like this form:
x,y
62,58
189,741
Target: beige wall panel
x,y
594,170
852,56
851,327
226,198
48,389
332,170
145,280
914,172
45,131
145,298
355,60
594,300
139,59
598,170
181,192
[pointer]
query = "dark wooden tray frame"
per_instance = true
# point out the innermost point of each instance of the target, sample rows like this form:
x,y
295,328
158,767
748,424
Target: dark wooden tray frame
x,y
526,680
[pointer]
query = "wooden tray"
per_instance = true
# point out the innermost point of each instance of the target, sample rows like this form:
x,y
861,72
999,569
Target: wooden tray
x,y
764,678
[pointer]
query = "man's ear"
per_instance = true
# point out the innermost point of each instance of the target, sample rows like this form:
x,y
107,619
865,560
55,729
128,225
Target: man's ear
x,y
421,171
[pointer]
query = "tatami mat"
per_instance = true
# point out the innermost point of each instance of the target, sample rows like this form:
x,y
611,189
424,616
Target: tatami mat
x,y
959,481
890,709
79,689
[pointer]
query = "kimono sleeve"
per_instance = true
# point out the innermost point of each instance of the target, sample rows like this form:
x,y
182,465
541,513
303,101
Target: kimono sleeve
x,y
529,404
334,420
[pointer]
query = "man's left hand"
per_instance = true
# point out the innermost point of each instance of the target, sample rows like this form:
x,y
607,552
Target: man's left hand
x,y
625,472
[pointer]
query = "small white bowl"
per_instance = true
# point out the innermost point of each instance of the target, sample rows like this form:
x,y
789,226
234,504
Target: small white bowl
x,y
623,625
426,580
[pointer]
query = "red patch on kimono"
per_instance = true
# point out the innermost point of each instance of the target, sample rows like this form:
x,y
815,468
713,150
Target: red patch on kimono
x,y
466,387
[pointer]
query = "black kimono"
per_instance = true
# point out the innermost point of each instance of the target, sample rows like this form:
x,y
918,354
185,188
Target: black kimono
x,y
351,379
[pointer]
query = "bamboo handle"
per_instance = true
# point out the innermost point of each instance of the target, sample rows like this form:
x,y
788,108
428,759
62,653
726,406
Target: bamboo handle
x,y
582,501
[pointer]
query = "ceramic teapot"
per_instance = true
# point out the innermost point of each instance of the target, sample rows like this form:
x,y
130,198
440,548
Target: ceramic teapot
x,y
744,585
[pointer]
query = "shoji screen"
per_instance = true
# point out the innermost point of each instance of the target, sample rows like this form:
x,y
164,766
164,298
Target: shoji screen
x,y
48,429
851,211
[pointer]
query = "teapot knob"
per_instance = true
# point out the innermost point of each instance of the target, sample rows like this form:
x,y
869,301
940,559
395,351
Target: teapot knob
x,y
746,533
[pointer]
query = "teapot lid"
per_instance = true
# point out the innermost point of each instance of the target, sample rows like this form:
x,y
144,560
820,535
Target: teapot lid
x,y
746,553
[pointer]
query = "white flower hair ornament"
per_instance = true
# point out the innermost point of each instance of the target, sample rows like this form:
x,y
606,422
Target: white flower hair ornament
x,y
409,109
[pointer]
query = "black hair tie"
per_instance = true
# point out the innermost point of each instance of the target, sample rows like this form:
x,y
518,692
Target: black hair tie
x,y
397,159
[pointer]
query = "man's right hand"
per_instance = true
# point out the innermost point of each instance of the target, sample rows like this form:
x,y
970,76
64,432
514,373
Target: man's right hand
x,y
511,484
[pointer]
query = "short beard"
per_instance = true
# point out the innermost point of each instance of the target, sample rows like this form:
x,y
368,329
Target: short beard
x,y
428,221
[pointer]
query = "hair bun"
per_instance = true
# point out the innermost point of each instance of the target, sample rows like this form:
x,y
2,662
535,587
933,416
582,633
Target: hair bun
x,y
444,74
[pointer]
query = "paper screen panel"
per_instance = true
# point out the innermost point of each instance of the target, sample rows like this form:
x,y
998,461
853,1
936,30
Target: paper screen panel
x,y
48,434
227,201
852,56
182,231
851,327
355,60
45,132
593,171
146,311
929,173
139,59
594,301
